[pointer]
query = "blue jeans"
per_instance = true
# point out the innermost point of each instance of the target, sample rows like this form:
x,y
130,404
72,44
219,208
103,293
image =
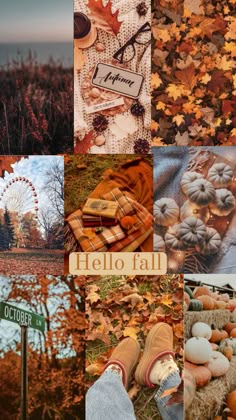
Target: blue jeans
x,y
107,399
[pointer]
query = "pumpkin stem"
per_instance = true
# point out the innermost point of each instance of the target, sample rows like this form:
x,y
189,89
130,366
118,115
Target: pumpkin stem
x,y
225,414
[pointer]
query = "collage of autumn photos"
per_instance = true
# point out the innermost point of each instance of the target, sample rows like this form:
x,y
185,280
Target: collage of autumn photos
x,y
118,143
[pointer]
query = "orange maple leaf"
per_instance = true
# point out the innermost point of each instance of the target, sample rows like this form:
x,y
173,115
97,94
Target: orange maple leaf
x,y
187,76
82,146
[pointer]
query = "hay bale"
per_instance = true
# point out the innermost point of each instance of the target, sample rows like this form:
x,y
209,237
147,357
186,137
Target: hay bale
x,y
208,401
218,317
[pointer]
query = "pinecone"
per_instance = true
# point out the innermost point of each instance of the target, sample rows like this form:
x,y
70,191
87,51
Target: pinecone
x,y
141,146
100,123
142,9
137,109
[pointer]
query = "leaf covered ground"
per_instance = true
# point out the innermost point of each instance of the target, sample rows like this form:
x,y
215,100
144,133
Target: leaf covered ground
x,y
122,306
193,72
32,262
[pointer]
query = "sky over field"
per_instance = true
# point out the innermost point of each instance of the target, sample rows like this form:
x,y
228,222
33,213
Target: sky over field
x,y
34,169
36,21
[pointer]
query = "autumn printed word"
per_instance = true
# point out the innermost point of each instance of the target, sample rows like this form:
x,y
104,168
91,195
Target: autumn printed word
x,y
123,262
116,78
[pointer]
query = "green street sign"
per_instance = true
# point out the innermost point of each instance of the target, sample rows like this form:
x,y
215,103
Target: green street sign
x,y
21,317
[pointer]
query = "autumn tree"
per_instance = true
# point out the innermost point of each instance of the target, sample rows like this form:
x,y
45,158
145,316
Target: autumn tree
x,y
55,363
54,187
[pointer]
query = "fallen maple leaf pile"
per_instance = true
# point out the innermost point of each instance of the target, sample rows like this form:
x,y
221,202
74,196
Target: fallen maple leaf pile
x,y
193,85
118,307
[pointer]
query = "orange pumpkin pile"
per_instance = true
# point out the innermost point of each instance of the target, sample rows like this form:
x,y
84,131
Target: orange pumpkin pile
x,y
210,300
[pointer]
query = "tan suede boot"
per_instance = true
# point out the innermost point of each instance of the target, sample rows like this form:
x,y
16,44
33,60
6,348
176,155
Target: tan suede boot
x,y
126,356
159,343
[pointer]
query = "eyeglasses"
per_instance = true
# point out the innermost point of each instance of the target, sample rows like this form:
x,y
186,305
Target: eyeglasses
x,y
142,37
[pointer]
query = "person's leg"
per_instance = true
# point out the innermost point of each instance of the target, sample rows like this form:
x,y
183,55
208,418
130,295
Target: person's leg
x,y
157,367
108,399
169,412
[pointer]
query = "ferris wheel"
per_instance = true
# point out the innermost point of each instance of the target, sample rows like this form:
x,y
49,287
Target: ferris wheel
x,y
19,195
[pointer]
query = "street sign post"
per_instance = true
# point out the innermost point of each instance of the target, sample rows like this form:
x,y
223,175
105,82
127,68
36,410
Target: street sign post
x,y
25,319
21,316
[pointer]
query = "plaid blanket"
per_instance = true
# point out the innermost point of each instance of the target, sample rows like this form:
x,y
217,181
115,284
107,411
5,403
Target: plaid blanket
x,y
114,238
88,239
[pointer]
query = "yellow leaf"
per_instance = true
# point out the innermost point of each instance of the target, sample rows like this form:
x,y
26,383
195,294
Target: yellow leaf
x,y
178,119
174,91
155,81
226,10
230,47
187,13
218,122
166,300
206,78
223,64
157,141
233,132
159,33
234,80
130,332
154,125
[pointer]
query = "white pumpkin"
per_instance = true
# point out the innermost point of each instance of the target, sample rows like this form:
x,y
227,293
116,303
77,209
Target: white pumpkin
x,y
188,178
192,231
166,212
218,364
224,203
201,192
220,175
201,329
197,350
189,209
211,243
158,243
173,238
229,342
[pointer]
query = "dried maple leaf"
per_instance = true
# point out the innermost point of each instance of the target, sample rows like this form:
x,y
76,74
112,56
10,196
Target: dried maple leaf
x,y
133,299
166,300
187,76
82,146
176,91
6,163
92,294
182,139
228,107
103,17
178,330
130,332
178,119
95,369
218,81
99,336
